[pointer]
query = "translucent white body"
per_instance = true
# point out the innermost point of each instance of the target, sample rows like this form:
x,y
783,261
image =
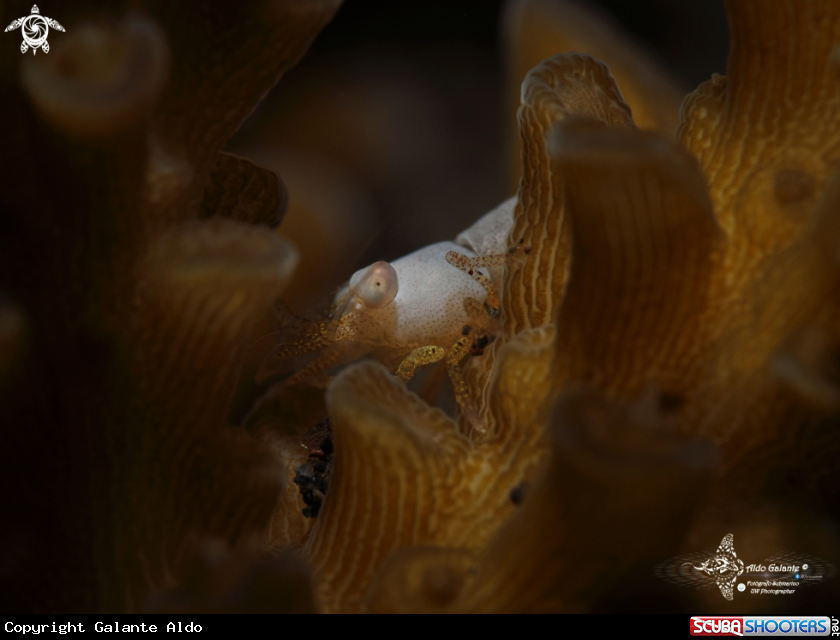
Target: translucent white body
x,y
428,308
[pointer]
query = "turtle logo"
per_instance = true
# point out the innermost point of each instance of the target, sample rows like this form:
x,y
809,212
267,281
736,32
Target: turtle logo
x,y
35,28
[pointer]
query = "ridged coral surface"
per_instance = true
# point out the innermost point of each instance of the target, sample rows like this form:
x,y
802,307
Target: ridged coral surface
x,y
675,277
664,374
138,261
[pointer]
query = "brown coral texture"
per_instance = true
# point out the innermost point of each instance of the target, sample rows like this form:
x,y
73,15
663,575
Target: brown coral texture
x,y
663,370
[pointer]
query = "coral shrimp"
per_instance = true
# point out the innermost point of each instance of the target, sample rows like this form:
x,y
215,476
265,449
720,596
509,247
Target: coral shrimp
x,y
438,303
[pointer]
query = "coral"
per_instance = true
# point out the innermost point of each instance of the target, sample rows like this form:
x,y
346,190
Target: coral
x,y
666,365
215,580
137,262
679,298
537,29
403,475
616,474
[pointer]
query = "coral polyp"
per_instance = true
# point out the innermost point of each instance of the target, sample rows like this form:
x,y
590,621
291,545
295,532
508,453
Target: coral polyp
x,y
643,341
658,294
136,262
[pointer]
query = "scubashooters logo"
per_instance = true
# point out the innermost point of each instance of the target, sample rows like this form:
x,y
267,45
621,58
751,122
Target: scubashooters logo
x,y
781,574
35,28
797,626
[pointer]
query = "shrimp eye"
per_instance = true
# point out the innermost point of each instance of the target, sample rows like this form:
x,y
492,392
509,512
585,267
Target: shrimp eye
x,y
375,286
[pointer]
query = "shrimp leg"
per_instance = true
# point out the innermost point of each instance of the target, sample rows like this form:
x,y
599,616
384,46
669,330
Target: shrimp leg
x,y
471,266
418,358
453,360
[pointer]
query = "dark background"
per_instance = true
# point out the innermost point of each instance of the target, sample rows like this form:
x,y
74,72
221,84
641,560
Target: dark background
x,y
690,37
396,118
